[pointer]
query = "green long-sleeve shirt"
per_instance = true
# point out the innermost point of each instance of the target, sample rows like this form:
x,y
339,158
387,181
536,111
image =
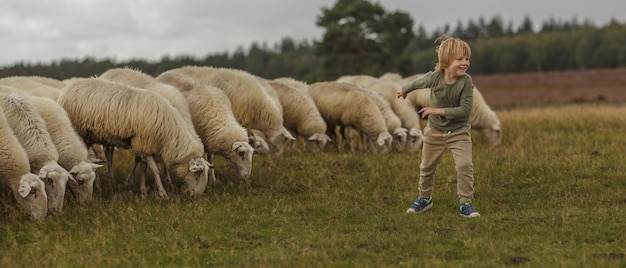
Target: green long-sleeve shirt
x,y
456,98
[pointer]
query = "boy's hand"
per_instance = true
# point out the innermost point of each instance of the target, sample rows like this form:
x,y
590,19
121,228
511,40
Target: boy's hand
x,y
424,112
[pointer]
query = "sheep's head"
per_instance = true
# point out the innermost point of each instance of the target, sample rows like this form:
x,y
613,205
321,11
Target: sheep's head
x,y
415,139
241,157
55,179
278,140
196,176
31,196
400,138
384,139
493,134
258,142
317,142
85,175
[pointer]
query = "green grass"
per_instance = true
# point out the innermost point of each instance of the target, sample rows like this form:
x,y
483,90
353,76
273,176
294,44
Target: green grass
x,y
552,195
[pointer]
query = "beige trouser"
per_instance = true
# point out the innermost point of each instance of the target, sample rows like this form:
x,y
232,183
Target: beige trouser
x,y
459,142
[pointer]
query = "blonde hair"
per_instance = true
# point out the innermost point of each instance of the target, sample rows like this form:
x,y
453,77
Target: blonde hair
x,y
448,49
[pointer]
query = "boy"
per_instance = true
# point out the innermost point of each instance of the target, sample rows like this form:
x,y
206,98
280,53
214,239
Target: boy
x,y
448,123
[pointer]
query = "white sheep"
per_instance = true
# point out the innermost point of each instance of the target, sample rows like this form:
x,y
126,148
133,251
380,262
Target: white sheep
x,y
214,121
110,113
29,86
73,153
342,104
30,129
406,112
482,118
253,104
394,124
137,78
301,115
28,189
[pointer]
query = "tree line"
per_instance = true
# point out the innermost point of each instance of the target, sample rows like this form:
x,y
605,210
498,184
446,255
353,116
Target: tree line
x,y
363,38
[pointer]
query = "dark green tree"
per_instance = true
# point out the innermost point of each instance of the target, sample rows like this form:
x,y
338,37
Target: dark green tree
x,y
495,27
360,38
526,26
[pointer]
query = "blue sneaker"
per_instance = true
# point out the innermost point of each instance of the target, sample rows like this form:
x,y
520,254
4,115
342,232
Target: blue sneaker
x,y
420,205
468,211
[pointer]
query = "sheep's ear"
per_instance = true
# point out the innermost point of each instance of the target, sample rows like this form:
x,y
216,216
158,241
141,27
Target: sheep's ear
x,y
95,166
236,146
96,160
71,179
24,188
415,132
383,138
288,135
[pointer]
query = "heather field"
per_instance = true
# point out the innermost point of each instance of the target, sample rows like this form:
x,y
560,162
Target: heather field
x,y
552,195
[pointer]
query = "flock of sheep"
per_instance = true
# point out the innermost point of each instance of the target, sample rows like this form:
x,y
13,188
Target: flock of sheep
x,y
176,122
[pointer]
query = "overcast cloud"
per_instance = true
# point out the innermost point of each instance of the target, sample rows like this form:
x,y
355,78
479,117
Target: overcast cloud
x,y
41,31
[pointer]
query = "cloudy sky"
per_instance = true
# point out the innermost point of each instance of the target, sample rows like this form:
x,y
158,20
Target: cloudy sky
x,y
41,31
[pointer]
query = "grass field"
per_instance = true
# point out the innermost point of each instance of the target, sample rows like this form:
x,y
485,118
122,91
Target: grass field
x,y
552,195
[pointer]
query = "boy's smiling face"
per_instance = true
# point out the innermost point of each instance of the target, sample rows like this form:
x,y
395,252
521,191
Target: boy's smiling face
x,y
458,66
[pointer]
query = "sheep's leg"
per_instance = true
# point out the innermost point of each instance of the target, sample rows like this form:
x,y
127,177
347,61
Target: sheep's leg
x,y
211,169
168,178
130,179
108,154
142,177
157,178
354,144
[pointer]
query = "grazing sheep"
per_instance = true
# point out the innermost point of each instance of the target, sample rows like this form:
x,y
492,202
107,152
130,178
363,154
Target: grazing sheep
x,y
141,80
253,104
404,110
301,115
482,118
28,189
214,121
110,113
30,129
394,125
342,104
29,86
73,153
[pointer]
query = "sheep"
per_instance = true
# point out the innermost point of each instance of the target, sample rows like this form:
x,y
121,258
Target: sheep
x,y
394,125
406,112
301,116
28,189
73,153
29,86
253,104
110,113
342,104
214,121
137,78
30,129
482,118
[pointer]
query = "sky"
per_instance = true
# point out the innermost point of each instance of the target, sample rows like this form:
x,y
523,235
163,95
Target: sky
x,y
42,31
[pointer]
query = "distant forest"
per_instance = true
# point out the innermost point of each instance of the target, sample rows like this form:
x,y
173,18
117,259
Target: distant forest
x,y
362,38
